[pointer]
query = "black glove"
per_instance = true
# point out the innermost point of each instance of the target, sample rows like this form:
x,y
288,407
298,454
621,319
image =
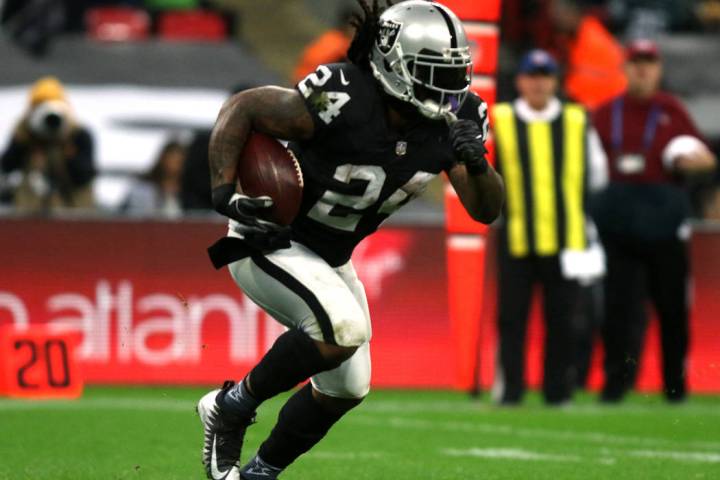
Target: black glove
x,y
244,210
467,143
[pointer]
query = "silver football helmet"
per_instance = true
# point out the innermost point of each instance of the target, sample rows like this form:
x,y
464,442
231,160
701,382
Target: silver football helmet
x,y
422,56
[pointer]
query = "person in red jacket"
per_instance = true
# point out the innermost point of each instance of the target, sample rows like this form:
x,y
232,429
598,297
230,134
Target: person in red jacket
x,y
651,143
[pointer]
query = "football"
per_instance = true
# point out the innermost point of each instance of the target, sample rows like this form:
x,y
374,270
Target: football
x,y
266,167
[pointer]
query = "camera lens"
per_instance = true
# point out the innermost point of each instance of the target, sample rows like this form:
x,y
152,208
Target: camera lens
x,y
53,121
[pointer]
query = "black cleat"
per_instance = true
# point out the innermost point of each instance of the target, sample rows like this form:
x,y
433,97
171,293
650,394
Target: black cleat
x,y
224,434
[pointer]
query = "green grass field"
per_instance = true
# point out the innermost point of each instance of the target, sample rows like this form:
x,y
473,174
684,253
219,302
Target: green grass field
x,y
153,433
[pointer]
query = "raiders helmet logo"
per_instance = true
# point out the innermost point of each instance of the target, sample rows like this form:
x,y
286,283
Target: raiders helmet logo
x,y
387,36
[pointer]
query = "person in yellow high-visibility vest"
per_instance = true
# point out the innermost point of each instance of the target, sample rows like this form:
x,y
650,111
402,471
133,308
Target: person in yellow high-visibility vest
x,y
550,158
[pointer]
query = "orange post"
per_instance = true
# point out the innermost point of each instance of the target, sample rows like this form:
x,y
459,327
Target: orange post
x,y
466,238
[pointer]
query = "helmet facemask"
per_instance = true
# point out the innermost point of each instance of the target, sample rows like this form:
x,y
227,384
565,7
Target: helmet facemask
x,y
440,82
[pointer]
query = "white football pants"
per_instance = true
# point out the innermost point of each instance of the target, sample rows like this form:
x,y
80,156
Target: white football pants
x,y
300,290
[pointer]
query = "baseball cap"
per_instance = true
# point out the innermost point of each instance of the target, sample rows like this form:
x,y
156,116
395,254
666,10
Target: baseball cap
x,y
642,48
538,61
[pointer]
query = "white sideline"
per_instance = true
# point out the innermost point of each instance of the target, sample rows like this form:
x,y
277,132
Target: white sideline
x,y
500,429
391,406
682,456
510,454
607,457
380,406
346,455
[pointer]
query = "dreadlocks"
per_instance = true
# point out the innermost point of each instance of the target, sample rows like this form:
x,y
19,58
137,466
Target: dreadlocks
x,y
366,30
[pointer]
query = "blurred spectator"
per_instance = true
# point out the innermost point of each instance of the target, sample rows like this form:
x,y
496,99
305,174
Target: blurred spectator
x,y
593,58
549,157
330,47
651,143
708,13
32,24
158,191
651,18
49,162
195,191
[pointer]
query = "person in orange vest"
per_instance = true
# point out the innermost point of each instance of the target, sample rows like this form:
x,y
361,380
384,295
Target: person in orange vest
x,y
329,47
594,58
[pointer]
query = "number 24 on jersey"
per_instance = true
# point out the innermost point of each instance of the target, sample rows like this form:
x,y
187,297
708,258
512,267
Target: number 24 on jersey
x,y
331,102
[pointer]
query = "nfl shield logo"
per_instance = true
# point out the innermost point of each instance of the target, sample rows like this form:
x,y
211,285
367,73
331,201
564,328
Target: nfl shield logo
x,y
400,148
387,36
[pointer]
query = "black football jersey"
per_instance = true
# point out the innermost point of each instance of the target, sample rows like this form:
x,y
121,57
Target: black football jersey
x,y
357,171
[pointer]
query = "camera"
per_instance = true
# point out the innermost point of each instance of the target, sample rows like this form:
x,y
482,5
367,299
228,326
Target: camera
x,y
50,120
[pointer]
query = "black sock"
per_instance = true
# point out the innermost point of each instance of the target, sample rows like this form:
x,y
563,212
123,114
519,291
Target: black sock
x,y
301,424
239,400
292,359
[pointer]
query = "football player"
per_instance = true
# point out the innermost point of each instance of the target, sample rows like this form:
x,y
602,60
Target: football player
x,y
369,135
